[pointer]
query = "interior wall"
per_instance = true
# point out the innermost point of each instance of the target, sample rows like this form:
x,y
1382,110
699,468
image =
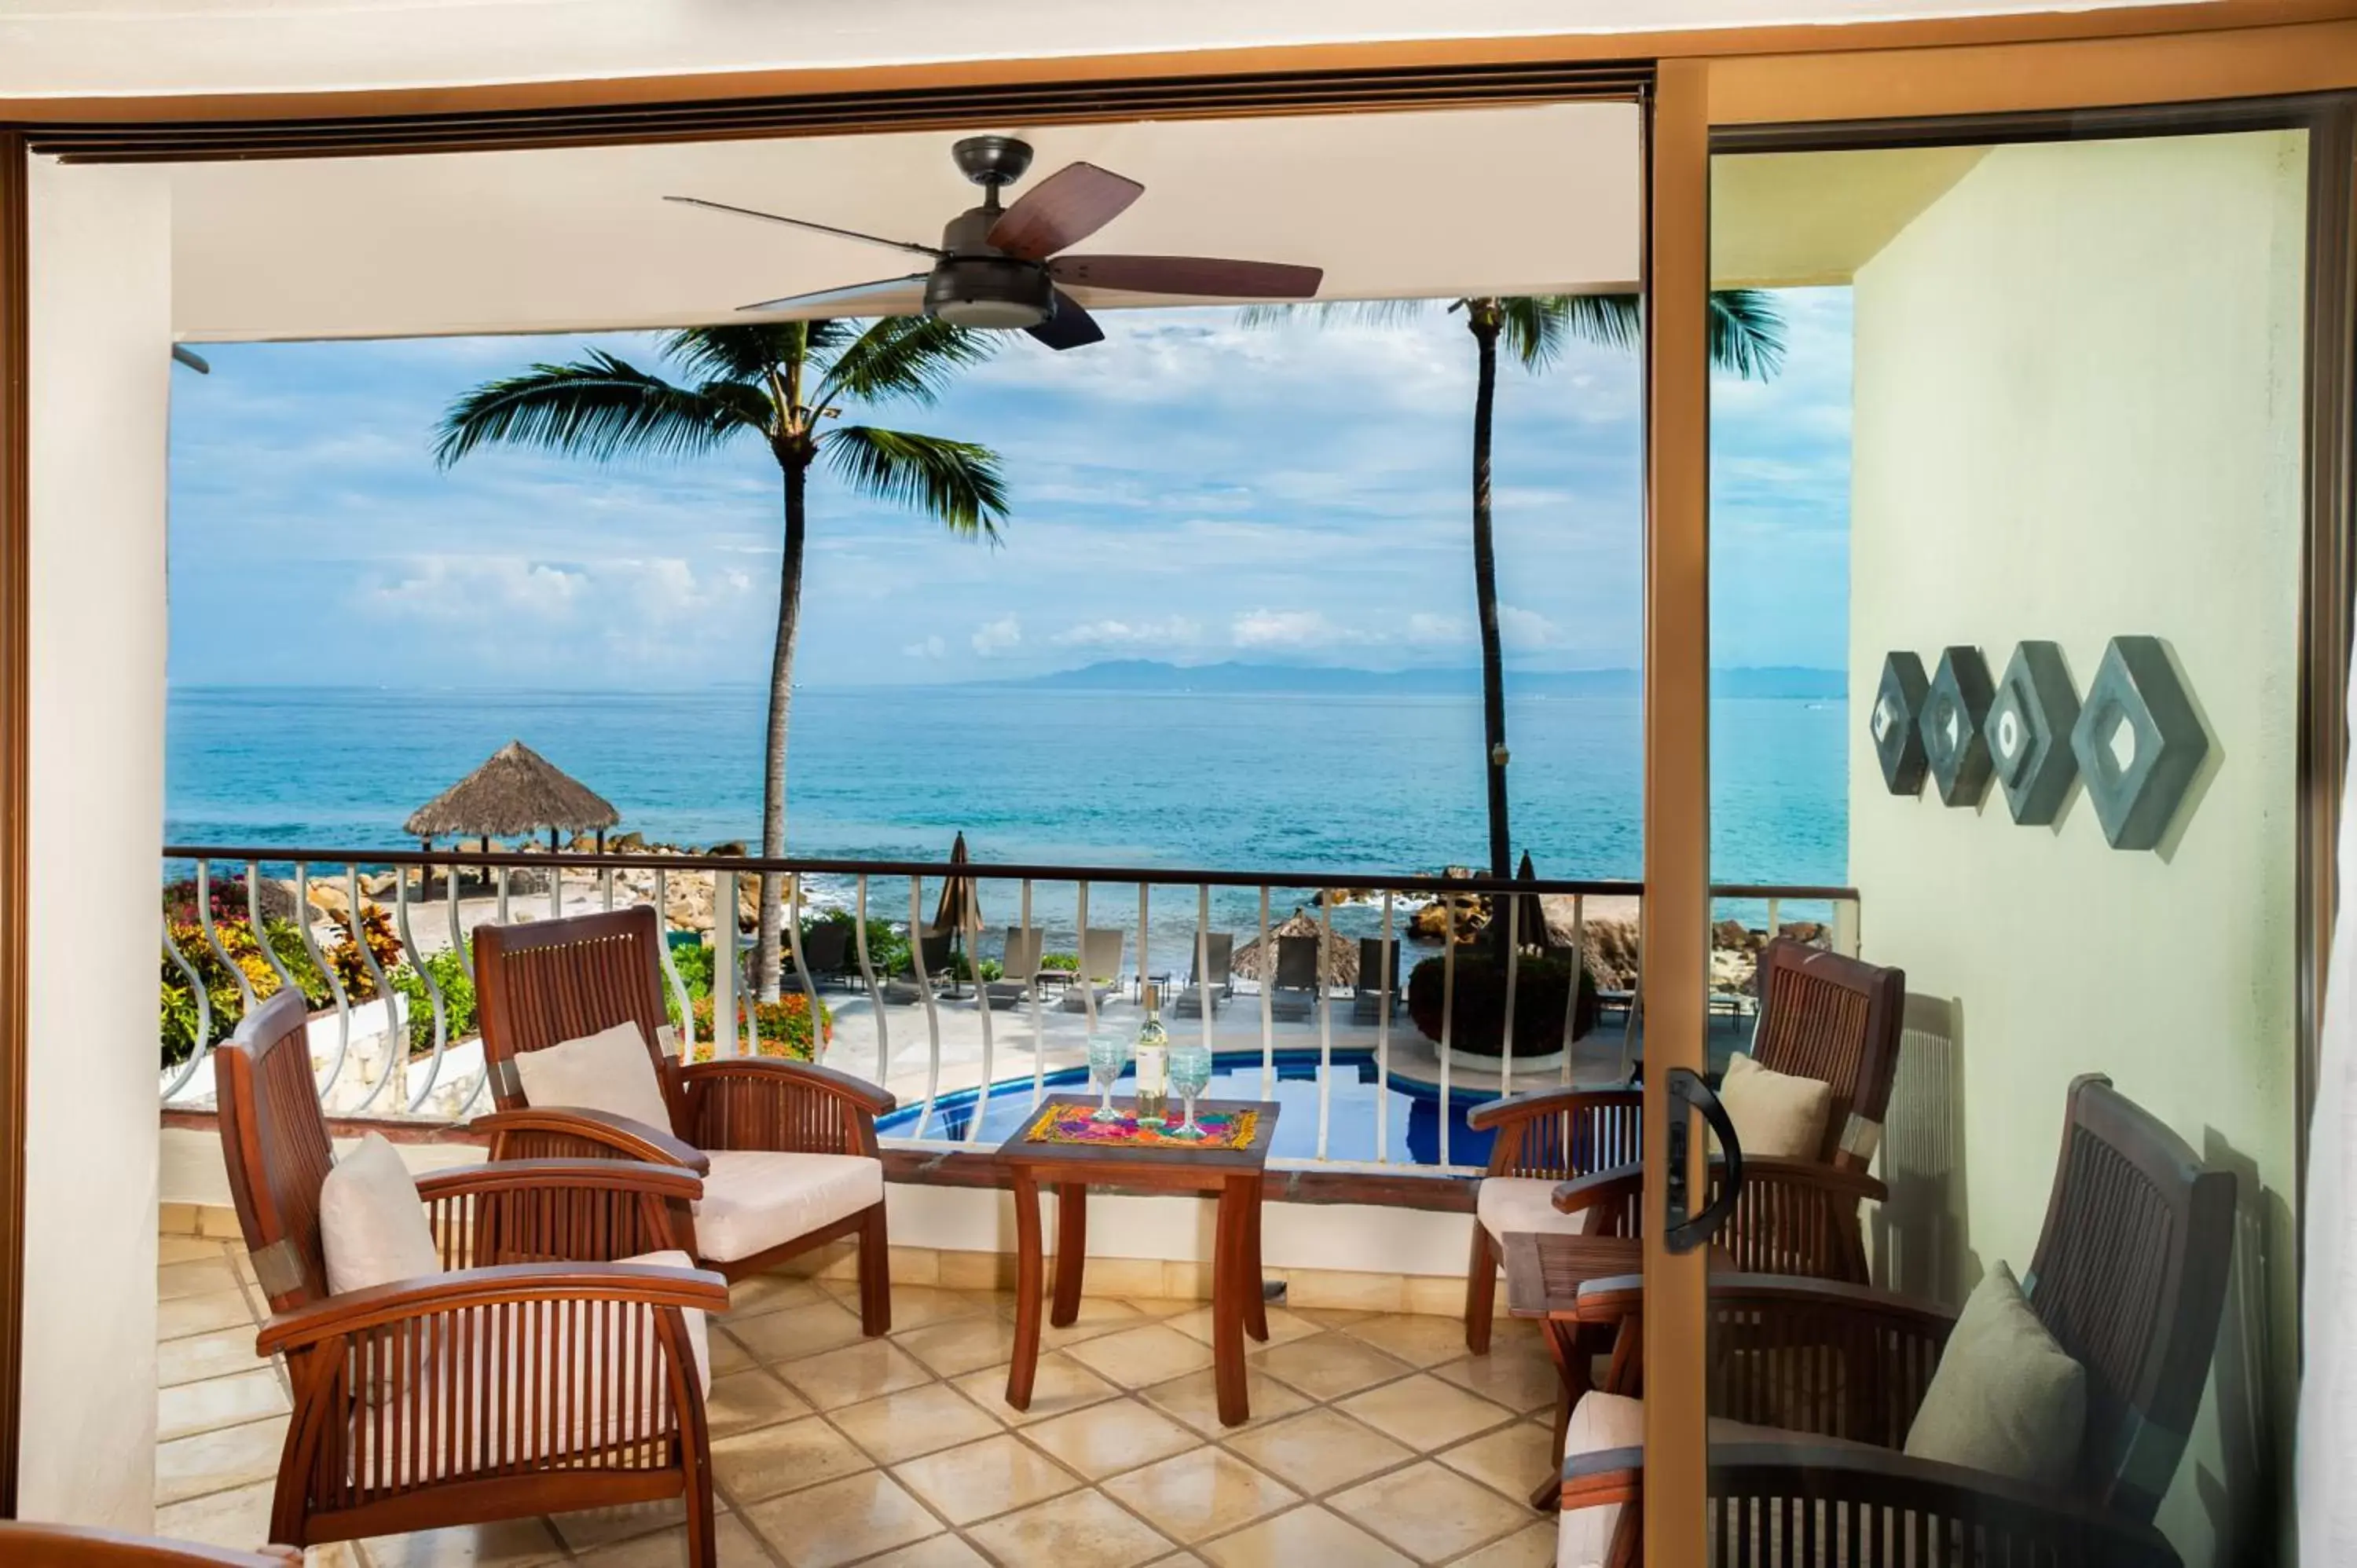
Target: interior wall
x,y
2078,385
102,299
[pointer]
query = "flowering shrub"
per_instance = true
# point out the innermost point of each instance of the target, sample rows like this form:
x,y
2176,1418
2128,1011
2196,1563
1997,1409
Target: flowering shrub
x,y
233,929
780,1028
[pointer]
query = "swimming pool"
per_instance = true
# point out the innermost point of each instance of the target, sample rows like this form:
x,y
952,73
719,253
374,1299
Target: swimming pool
x,y
1411,1112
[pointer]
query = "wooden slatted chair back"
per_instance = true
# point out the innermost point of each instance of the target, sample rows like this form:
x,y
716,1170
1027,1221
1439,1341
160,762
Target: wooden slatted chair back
x,y
274,1140
547,982
1836,1019
2130,1278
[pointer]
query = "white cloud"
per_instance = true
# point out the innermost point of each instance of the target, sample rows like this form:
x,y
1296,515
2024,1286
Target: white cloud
x,y
998,636
1426,629
928,648
1292,628
1173,631
1528,630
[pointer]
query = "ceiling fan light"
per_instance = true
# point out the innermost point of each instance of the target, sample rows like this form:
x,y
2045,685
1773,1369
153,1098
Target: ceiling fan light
x,y
991,293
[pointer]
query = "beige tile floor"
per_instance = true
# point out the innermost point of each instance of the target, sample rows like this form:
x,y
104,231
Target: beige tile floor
x,y
1374,1440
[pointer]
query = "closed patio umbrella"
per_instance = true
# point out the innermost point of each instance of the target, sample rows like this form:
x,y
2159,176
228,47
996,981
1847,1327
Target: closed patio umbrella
x,y
960,906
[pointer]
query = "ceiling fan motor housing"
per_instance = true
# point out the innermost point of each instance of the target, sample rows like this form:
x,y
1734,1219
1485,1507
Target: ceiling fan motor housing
x,y
990,292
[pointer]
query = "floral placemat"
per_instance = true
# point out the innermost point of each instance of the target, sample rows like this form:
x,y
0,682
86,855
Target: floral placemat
x,y
1078,1124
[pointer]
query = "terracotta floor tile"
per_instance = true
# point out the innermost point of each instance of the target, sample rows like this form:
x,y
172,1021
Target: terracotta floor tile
x,y
205,1314
1429,1511
1522,1378
589,1529
186,1408
910,1422
920,1306
201,1355
238,1519
769,1460
1203,1492
865,1371
727,1356
732,1543
996,1475
842,1521
1330,1365
937,1552
1424,1411
217,1461
1421,1340
758,1294
1079,1529
740,1401
1319,1450
1098,1316
510,1544
1059,1384
1105,1439
1195,1400
960,1345
1140,1357
1533,1546
1511,1460
188,1249
1283,1326
204,1276
1301,1538
794,1332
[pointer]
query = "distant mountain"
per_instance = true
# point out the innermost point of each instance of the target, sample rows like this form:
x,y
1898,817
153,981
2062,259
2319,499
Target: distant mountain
x,y
1154,675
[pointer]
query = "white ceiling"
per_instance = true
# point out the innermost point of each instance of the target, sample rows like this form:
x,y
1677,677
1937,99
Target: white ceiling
x,y
1512,201
90,48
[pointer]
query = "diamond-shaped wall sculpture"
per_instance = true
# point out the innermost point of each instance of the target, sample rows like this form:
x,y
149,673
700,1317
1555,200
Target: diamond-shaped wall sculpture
x,y
1955,714
2029,732
2139,742
1898,703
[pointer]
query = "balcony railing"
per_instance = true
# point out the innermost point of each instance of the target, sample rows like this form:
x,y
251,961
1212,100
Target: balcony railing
x,y
969,1055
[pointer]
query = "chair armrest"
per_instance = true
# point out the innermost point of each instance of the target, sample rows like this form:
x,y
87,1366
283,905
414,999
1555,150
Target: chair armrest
x,y
1616,1184
871,1097
1624,1291
629,1140
1620,1182
539,1176
1514,1108
649,1284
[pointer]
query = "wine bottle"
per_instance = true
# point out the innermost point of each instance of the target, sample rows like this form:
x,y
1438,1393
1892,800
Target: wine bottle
x,y
1153,1056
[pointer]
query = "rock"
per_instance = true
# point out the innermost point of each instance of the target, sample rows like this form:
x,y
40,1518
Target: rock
x,y
627,843
330,897
1466,913
733,848
379,884
1613,953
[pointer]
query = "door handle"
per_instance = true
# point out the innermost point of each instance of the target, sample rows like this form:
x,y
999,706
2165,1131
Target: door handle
x,y
1683,1232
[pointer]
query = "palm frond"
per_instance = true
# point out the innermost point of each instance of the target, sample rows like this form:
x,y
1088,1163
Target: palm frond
x,y
600,407
1747,333
1334,312
910,357
750,350
956,482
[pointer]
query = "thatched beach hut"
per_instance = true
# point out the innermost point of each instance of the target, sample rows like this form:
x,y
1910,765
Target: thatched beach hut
x,y
1342,955
516,793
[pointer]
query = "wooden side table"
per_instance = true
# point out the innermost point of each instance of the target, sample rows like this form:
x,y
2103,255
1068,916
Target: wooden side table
x,y
1233,1175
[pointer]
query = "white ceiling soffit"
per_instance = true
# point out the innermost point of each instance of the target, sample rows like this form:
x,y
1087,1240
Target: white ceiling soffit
x,y
1507,200
1792,220
89,48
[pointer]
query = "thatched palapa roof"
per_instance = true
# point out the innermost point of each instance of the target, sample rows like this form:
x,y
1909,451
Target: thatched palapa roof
x,y
1342,955
517,792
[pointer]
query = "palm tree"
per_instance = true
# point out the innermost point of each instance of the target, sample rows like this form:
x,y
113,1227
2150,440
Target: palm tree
x,y
1746,336
783,384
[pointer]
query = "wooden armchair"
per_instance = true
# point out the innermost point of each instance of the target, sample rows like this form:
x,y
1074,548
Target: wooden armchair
x,y
481,1393
1814,1385
787,1150
64,1546
1821,1015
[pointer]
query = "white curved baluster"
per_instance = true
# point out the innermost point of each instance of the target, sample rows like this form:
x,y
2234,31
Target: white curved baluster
x,y
253,924
1039,1017
1447,1014
396,1032
1383,1040
212,938
203,1046
982,1005
875,992
1267,1003
680,998
334,982
925,992
1325,1021
1513,978
418,966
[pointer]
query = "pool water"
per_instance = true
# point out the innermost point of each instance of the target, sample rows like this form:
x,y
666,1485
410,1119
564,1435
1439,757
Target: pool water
x,y
1411,1132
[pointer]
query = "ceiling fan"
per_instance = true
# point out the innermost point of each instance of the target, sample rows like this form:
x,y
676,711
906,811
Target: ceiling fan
x,y
1001,267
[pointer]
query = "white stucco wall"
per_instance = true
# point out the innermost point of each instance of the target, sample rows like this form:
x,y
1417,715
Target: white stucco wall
x,y
100,369
2078,386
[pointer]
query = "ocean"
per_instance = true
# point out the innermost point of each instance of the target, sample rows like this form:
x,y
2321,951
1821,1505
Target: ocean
x,y
1308,783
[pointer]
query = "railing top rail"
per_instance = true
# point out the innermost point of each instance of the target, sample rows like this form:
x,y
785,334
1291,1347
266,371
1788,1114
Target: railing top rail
x,y
1394,882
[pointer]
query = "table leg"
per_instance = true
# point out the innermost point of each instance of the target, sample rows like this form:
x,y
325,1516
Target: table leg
x,y
1571,1381
1072,1251
1256,1287
1231,1261
1020,1371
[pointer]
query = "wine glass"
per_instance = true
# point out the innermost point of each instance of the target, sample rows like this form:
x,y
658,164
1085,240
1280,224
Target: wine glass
x,y
1108,1053
1190,1074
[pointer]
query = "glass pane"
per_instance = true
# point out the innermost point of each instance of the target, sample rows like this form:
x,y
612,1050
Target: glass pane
x,y
2006,520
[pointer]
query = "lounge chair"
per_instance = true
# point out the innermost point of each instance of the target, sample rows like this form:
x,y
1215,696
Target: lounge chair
x,y
1378,991
1100,967
826,951
933,949
1020,964
1295,989
1219,951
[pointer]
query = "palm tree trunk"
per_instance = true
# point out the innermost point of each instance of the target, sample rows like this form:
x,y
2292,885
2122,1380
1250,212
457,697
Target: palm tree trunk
x,y
766,947
1482,318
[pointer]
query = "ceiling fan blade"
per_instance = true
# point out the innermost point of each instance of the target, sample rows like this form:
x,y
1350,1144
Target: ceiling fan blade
x,y
1188,275
806,224
1062,210
906,293
1070,328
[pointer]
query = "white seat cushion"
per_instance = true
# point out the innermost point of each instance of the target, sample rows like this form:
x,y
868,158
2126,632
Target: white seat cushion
x,y
372,1226
1600,1421
1521,1203
756,1200
610,1070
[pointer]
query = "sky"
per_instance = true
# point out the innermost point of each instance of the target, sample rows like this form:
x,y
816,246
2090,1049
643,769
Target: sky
x,y
1193,489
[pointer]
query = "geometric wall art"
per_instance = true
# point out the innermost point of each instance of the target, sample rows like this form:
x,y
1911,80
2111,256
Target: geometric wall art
x,y
1897,704
1955,727
2139,742
2029,727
